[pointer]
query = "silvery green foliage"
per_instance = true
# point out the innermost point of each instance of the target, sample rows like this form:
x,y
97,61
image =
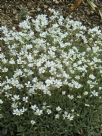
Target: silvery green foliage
x,y
50,55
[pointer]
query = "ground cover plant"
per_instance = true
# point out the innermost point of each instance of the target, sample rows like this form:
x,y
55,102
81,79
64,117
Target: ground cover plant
x,y
51,78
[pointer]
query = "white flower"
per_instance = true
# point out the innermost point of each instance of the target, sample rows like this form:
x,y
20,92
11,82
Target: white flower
x,y
57,116
14,105
68,116
70,97
77,77
25,99
25,25
100,88
58,108
72,110
32,122
31,91
63,92
30,58
7,87
91,76
49,111
1,102
2,56
87,105
61,19
28,84
19,112
76,84
95,49
5,69
40,22
15,97
12,61
94,93
65,114
18,72
95,30
1,116
79,96
78,115
31,34
85,93
34,107
96,60
38,112
4,60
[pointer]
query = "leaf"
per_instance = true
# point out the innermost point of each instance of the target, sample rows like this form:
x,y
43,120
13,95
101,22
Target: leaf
x,y
100,12
92,4
75,5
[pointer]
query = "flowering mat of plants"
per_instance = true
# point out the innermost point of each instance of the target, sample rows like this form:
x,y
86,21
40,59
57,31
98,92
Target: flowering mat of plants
x,y
50,76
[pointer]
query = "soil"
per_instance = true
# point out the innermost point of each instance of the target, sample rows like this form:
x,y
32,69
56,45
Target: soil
x,y
12,11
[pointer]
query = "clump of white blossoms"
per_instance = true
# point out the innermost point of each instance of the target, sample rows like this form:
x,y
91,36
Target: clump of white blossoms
x,y
48,60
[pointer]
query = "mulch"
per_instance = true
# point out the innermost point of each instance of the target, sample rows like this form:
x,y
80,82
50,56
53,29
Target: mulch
x,y
13,11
